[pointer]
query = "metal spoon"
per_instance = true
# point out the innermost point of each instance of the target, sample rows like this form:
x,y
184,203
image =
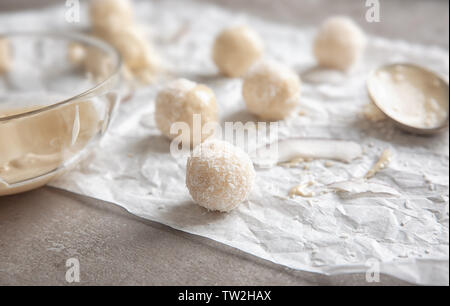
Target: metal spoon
x,y
414,71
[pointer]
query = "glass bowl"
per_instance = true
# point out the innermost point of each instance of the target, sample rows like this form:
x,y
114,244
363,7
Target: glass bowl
x,y
58,93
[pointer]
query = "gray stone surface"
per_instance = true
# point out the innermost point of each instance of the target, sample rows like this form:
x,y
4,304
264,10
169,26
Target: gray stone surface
x,y
40,230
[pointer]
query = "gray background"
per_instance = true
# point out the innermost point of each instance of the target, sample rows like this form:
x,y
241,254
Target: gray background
x,y
41,229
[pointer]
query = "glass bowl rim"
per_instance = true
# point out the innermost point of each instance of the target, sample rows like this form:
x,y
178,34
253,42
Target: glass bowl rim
x,y
67,35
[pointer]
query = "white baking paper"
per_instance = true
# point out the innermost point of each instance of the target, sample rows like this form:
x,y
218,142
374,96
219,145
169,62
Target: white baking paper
x,y
398,220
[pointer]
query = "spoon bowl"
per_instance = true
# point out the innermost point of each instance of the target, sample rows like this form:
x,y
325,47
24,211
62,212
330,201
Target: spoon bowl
x,y
403,92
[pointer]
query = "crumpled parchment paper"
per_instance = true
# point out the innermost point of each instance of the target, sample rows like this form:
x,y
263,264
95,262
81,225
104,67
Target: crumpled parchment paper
x,y
399,220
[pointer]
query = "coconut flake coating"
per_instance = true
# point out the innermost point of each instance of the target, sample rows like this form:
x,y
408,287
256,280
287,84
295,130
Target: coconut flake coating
x,y
236,49
219,175
179,102
339,43
271,91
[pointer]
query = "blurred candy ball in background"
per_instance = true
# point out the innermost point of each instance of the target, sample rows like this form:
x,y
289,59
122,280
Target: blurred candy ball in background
x,y
271,90
339,43
236,49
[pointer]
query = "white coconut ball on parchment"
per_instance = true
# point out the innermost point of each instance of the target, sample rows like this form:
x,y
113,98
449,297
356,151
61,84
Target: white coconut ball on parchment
x,y
236,49
339,43
179,101
219,176
271,90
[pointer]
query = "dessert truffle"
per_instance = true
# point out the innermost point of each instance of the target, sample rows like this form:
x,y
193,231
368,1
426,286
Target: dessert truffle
x,y
271,91
339,43
219,176
179,101
236,49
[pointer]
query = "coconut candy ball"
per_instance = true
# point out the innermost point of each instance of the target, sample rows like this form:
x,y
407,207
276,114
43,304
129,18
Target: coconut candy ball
x,y
219,176
236,49
271,90
339,43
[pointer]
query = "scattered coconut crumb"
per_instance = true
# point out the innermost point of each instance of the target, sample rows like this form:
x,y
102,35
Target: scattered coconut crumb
x,y
328,164
408,204
296,161
373,113
382,163
292,163
280,197
302,190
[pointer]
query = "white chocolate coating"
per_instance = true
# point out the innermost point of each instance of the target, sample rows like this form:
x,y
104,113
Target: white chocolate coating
x,y
35,145
219,176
